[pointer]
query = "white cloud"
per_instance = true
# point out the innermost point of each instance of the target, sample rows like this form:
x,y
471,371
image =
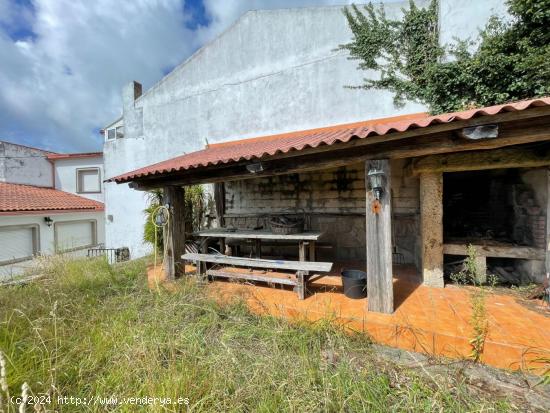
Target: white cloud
x,y
64,82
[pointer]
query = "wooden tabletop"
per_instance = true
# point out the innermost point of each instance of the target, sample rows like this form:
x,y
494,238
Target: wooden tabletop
x,y
258,234
259,263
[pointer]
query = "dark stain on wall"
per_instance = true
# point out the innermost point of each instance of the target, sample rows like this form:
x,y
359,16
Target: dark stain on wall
x,y
343,179
266,186
229,201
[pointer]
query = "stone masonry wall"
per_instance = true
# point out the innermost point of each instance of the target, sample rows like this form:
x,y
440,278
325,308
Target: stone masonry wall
x,y
334,200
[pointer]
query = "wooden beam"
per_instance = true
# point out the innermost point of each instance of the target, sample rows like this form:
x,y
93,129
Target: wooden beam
x,y
343,154
473,161
379,248
249,276
497,251
431,224
174,232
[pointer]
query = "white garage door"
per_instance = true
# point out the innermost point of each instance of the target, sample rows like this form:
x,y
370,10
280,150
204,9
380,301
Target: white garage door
x,y
17,243
74,234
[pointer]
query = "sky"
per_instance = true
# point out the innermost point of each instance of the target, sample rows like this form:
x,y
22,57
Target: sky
x,y
63,63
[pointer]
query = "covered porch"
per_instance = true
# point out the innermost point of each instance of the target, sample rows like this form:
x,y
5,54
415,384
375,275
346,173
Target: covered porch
x,y
328,173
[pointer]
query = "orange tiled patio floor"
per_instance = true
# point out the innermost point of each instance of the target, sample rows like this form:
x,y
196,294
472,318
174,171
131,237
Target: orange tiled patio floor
x,y
428,320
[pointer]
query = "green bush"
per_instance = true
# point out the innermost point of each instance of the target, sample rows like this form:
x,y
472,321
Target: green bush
x,y
509,63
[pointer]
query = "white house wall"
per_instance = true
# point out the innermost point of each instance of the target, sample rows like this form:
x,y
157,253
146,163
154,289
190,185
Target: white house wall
x,y
46,235
65,175
272,72
463,19
23,165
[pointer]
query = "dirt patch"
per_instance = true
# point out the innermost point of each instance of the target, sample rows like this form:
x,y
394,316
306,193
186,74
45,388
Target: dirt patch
x,y
524,391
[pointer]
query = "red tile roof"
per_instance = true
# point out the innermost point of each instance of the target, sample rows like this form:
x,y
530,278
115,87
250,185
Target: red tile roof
x,y
55,156
15,198
247,149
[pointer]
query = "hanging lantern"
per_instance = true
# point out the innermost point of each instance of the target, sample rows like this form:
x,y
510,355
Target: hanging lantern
x,y
161,216
376,178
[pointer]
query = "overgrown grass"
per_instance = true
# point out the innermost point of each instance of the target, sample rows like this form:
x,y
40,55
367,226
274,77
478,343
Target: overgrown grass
x,y
88,329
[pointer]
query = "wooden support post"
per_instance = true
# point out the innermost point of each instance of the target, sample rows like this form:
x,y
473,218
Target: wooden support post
x,y
174,232
219,201
201,265
312,250
258,248
547,223
379,248
431,217
302,251
301,284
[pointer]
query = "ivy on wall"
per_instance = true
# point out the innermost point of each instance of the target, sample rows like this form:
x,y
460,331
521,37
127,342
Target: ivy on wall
x,y
511,60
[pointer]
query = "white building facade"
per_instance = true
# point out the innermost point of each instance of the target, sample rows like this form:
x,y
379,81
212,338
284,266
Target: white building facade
x,y
49,203
273,71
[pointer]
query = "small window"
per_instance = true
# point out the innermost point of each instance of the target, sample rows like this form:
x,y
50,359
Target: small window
x,y
18,243
88,181
120,132
111,133
75,235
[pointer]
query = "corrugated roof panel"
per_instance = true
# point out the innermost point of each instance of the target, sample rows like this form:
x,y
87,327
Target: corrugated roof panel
x,y
257,148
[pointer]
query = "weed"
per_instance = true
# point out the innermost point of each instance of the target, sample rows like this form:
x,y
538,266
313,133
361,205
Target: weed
x,y
110,336
478,322
472,274
545,380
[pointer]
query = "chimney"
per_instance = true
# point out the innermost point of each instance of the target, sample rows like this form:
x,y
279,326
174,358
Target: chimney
x,y
133,117
130,93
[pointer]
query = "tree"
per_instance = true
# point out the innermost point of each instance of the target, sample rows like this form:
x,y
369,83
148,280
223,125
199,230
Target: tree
x,y
510,62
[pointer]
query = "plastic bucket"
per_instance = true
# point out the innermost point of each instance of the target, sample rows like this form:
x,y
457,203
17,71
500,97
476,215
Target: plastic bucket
x,y
355,283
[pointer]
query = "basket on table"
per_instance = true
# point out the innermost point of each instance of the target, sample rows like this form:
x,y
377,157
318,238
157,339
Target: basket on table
x,y
285,225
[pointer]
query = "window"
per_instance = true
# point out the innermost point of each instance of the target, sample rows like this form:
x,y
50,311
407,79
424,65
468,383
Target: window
x,y
88,181
75,235
18,243
113,133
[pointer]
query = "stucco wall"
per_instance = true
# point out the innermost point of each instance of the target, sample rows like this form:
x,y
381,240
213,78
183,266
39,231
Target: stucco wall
x,y
65,175
273,71
46,235
463,19
23,165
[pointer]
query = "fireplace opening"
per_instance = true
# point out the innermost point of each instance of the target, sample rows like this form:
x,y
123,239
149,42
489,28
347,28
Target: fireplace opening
x,y
493,205
499,210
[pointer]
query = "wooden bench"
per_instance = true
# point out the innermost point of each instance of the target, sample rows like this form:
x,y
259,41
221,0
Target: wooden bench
x,y
301,268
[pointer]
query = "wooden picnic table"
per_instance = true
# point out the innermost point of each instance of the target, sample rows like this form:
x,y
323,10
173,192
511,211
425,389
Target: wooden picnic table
x,y
305,239
241,268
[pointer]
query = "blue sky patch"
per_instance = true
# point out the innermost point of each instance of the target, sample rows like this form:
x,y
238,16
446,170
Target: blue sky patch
x,y
20,28
199,17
